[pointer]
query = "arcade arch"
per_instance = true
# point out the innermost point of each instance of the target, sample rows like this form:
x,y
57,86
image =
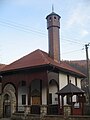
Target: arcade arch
x,y
9,100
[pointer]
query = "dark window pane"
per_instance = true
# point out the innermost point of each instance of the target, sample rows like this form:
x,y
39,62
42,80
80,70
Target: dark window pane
x,y
23,83
50,98
23,99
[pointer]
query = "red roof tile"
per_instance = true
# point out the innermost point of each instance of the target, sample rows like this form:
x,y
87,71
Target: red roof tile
x,y
38,58
2,66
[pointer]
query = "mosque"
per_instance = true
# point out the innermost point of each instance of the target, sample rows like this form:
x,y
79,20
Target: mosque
x,y
40,81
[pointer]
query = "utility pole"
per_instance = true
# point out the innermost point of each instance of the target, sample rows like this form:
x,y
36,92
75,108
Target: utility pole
x,y
88,76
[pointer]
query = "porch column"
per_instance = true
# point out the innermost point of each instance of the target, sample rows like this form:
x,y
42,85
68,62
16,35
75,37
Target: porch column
x,y
16,107
62,96
82,104
58,104
29,98
47,84
71,106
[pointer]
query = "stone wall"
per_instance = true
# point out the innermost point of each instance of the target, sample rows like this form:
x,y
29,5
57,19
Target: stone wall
x,y
1,107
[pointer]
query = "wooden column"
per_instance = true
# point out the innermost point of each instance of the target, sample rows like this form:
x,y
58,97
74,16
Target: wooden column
x,y
47,88
58,104
82,104
16,93
28,95
71,105
62,96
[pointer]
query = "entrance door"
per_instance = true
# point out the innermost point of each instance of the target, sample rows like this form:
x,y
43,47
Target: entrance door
x,y
7,111
35,96
7,106
35,100
35,108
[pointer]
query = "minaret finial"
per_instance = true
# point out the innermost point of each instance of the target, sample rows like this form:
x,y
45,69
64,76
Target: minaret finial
x,y
52,8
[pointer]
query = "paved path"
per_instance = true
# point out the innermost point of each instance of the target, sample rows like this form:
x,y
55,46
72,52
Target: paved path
x,y
5,119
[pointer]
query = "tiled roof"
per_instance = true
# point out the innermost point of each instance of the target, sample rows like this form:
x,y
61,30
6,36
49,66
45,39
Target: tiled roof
x,y
70,89
2,66
40,58
53,13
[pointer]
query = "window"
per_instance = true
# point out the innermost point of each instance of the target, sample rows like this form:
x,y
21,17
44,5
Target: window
x,y
76,81
68,79
23,99
23,83
50,19
50,98
6,97
54,17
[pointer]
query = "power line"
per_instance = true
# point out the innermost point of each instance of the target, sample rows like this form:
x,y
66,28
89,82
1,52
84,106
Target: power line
x,y
73,51
69,40
20,28
19,24
27,29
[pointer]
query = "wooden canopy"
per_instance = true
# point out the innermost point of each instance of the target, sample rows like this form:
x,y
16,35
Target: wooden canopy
x,y
70,89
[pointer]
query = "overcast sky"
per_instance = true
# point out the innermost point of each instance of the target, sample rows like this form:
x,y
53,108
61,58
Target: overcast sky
x,y
23,27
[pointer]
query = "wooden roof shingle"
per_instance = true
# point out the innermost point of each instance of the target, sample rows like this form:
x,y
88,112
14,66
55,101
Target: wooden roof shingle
x,y
70,89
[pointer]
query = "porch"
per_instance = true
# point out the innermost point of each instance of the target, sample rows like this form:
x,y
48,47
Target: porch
x,y
38,109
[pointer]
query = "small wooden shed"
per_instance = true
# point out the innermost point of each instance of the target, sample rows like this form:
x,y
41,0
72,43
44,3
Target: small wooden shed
x,y
69,91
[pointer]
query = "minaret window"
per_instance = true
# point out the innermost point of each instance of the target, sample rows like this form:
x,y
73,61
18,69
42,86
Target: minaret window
x,y
54,17
50,19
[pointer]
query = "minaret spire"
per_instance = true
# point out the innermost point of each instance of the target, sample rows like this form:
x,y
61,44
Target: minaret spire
x,y
52,8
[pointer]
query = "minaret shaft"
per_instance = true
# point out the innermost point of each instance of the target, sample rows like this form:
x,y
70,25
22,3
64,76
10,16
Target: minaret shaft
x,y
53,25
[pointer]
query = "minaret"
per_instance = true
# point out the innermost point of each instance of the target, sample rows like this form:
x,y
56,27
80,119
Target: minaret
x,y
53,26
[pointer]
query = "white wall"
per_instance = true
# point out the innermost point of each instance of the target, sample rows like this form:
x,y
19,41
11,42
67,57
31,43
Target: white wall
x,y
44,94
72,79
53,86
63,82
53,89
22,90
79,82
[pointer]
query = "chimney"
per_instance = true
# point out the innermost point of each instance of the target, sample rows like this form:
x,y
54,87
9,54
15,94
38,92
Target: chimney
x,y
53,26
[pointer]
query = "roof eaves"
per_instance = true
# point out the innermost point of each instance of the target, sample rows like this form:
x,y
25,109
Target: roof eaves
x,y
26,68
60,68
